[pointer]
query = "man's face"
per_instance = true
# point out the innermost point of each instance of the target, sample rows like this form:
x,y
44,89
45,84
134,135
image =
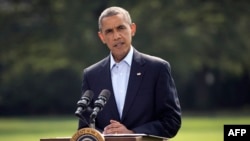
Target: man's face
x,y
117,34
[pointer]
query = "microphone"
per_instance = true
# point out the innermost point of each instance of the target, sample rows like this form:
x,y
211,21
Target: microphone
x,y
100,102
83,103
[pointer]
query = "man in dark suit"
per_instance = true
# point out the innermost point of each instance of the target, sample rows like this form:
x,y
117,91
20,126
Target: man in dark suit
x,y
143,94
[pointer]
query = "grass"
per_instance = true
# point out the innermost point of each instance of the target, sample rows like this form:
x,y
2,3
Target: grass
x,y
207,128
33,128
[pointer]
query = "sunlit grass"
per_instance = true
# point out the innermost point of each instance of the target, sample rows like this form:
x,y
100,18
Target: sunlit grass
x,y
34,128
207,128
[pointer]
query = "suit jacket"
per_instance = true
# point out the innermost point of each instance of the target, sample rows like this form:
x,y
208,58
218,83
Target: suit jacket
x,y
151,105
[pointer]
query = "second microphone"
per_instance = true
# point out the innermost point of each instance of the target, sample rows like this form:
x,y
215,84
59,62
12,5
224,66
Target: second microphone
x,y
100,103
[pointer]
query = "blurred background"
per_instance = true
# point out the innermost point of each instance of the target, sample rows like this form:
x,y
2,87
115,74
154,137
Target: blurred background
x,y
46,44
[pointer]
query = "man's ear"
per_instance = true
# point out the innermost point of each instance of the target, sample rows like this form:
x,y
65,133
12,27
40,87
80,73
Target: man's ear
x,y
133,29
101,37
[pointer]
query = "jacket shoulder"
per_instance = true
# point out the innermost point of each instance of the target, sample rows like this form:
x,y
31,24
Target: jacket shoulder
x,y
153,60
98,65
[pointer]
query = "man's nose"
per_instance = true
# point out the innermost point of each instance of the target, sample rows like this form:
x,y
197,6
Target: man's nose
x,y
116,35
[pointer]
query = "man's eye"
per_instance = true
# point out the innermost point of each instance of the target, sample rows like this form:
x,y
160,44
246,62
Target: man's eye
x,y
121,27
108,31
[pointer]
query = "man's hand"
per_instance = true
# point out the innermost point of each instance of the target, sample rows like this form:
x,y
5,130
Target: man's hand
x,y
116,127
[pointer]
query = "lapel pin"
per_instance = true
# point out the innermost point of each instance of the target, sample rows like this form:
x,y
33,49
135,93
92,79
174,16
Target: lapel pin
x,y
138,73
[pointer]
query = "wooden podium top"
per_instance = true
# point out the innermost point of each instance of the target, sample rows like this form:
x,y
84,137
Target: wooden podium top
x,y
118,137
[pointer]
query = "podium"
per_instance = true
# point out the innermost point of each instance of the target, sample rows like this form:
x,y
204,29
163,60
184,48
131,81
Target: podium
x,y
118,137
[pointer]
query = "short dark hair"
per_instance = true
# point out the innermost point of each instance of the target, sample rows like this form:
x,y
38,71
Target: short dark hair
x,y
111,11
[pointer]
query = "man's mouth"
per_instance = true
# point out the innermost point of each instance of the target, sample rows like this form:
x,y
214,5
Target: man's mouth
x,y
120,44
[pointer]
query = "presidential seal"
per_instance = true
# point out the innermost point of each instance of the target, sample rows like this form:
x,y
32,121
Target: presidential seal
x,y
87,134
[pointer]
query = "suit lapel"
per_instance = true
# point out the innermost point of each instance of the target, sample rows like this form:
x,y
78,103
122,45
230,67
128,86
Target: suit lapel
x,y
135,78
107,83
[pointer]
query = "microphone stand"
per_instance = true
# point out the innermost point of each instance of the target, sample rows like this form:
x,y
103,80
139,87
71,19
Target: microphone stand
x,y
79,115
92,121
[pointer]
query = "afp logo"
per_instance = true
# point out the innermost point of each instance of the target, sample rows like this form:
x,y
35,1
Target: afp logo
x,y
236,132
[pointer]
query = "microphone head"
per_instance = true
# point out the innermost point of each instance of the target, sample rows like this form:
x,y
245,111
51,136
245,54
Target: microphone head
x,y
88,94
86,98
104,95
83,103
102,98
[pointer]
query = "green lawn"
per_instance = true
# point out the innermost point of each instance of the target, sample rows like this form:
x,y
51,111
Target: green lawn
x,y
207,128
33,128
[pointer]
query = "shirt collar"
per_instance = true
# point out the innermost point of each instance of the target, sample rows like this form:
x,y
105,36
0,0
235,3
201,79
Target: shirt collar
x,y
127,59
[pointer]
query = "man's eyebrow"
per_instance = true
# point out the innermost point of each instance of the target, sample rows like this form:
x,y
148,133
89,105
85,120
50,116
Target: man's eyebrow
x,y
111,29
119,26
108,30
